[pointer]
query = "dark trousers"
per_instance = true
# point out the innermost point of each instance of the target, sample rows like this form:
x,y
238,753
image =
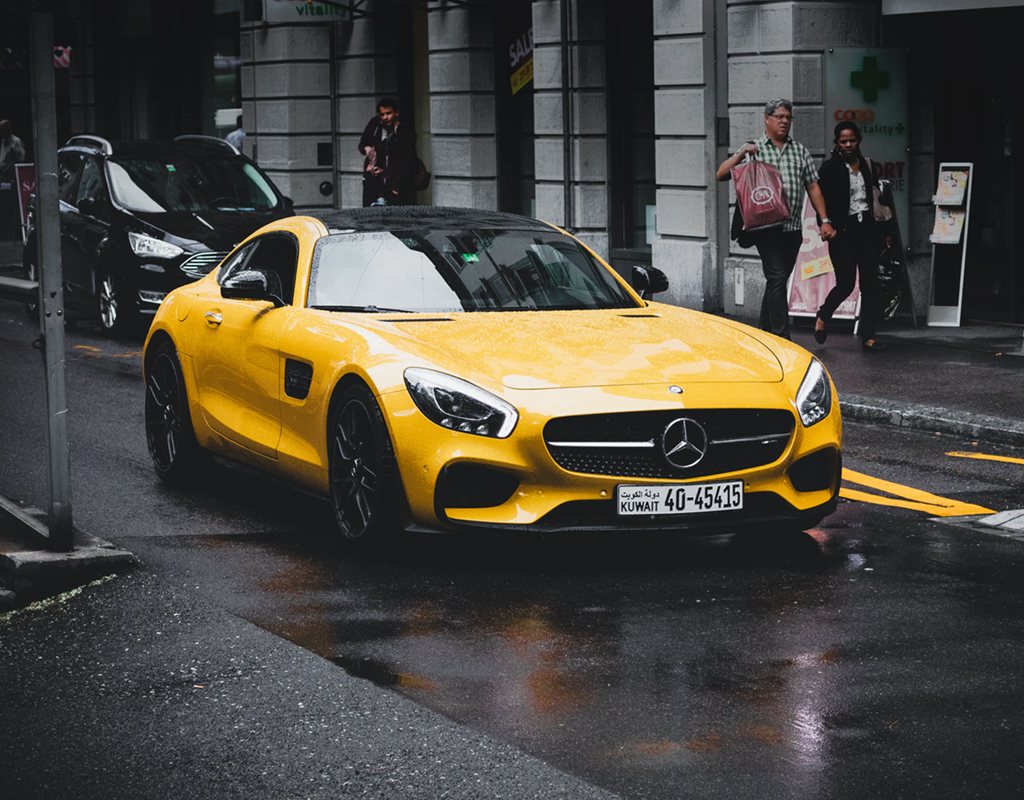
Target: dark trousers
x,y
855,248
778,251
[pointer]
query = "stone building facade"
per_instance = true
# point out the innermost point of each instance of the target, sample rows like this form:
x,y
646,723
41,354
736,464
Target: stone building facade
x,y
618,134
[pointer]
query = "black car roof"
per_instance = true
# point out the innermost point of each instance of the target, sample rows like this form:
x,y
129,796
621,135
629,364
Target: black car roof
x,y
386,218
151,148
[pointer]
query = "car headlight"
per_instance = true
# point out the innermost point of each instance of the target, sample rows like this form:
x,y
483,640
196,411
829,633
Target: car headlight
x,y
147,246
459,405
814,400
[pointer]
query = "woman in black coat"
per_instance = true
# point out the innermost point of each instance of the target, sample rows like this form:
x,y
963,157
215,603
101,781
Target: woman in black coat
x,y
847,180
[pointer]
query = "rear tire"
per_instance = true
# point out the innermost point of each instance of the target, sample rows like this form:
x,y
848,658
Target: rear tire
x,y
176,455
363,474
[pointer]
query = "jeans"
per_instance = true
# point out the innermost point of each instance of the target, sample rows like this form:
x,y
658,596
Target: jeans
x,y
778,251
854,249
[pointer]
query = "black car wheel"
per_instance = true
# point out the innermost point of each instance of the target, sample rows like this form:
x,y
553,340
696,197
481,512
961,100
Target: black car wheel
x,y
172,442
112,304
363,474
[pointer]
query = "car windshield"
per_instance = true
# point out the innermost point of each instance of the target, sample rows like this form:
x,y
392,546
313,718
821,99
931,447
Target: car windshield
x,y
459,270
189,182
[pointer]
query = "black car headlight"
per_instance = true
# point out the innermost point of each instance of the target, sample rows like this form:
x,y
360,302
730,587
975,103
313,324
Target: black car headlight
x,y
150,247
459,405
814,400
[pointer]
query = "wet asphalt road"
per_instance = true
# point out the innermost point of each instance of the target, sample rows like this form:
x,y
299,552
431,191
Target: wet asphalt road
x,y
876,656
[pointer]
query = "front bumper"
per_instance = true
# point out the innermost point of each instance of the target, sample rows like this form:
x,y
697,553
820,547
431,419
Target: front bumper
x,y
520,487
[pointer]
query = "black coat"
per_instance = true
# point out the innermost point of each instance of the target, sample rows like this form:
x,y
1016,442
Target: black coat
x,y
396,156
834,182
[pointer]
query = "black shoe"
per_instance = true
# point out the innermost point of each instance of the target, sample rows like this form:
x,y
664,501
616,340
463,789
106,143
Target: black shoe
x,y
822,335
877,347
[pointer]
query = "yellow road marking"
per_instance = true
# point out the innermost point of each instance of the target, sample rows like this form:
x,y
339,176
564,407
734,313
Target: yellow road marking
x,y
914,499
987,457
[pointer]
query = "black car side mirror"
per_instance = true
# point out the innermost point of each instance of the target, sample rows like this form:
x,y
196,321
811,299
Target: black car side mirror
x,y
249,284
649,281
90,206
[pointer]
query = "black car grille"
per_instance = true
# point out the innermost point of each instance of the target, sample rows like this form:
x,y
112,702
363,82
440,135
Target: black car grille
x,y
202,263
632,444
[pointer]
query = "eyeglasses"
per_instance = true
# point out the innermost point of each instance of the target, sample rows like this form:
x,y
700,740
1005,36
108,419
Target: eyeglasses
x,y
781,116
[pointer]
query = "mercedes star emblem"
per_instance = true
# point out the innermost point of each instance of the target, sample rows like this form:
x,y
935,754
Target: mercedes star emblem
x,y
684,443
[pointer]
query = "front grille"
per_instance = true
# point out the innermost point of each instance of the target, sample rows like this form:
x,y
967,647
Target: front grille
x,y
202,263
630,444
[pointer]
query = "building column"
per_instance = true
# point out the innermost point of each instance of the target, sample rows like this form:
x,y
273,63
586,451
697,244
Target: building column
x,y
571,146
462,119
686,247
286,106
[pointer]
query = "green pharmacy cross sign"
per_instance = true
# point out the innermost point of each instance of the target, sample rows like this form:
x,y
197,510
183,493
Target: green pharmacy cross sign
x,y
869,80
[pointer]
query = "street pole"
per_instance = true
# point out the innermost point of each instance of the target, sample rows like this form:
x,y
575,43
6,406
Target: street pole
x,y
51,292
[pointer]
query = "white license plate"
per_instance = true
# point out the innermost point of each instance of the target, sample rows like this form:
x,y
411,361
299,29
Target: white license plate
x,y
680,498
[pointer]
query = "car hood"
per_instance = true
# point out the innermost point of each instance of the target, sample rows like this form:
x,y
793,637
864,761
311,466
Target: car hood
x,y
218,230
567,349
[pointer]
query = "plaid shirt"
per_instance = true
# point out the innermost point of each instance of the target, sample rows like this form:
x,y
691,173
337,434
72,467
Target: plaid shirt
x,y
797,170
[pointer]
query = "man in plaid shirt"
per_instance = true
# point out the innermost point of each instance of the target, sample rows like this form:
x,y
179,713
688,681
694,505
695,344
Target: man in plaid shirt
x,y
778,247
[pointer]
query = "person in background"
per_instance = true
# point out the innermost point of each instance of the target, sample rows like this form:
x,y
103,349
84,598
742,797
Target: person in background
x,y
847,180
12,151
236,136
389,168
778,247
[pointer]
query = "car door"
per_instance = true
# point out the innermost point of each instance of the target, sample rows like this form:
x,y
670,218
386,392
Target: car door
x,y
237,349
87,225
69,172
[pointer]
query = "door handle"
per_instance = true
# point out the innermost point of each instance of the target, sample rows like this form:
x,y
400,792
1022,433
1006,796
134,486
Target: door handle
x,y
214,318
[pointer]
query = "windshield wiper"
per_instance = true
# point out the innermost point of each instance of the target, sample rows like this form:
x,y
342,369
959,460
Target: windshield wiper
x,y
370,309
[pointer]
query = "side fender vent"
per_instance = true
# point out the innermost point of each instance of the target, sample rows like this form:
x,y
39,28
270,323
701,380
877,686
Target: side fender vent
x,y
298,376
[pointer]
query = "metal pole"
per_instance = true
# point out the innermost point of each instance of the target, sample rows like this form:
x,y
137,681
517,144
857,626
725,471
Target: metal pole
x,y
51,293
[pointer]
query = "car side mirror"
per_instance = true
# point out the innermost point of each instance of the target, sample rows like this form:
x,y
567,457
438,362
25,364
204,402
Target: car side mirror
x,y
90,206
649,281
249,284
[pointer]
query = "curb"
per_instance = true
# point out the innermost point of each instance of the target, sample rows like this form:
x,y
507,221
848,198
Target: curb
x,y
928,418
28,573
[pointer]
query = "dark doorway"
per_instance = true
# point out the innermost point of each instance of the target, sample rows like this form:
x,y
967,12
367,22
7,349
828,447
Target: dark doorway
x,y
630,80
513,105
978,118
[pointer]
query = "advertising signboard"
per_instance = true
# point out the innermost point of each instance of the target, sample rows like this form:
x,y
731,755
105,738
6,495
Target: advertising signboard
x,y
814,276
303,11
868,85
25,177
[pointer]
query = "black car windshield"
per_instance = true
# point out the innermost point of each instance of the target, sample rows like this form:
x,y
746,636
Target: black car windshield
x,y
189,182
449,271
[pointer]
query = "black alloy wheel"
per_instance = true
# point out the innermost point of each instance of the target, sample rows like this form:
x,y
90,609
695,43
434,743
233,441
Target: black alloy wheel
x,y
363,474
172,442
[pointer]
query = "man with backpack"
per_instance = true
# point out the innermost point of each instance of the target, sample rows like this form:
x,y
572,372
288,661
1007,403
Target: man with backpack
x,y
391,165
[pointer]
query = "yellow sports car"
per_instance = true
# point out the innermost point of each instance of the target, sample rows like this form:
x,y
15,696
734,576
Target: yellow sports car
x,y
450,369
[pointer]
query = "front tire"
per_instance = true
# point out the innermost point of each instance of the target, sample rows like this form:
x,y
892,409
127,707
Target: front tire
x,y
113,305
172,442
363,474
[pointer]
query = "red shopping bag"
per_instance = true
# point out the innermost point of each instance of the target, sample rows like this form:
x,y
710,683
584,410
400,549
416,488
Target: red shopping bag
x,y
760,195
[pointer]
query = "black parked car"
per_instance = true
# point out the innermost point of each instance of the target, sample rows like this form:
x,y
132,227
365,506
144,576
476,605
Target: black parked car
x,y
138,219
